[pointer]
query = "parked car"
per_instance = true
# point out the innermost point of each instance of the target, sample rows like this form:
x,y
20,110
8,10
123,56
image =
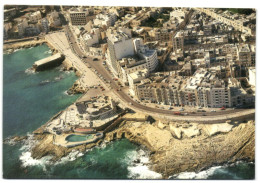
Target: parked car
x,y
95,59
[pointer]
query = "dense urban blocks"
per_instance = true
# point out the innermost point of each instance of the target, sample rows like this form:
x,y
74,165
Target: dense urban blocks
x,y
180,81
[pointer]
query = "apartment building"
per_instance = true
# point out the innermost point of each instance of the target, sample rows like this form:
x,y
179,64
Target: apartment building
x,y
149,55
252,76
178,42
136,77
78,16
203,89
129,65
238,25
120,45
107,20
89,39
246,54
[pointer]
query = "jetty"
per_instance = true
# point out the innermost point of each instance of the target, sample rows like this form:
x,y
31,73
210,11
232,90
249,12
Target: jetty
x,y
46,63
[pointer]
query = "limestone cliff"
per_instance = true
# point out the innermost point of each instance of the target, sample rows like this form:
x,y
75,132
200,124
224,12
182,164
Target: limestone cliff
x,y
195,147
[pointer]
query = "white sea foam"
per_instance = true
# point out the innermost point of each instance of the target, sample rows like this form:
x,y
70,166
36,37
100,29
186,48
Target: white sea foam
x,y
27,160
29,71
45,81
28,143
73,155
138,169
17,50
58,78
193,175
10,141
26,157
142,172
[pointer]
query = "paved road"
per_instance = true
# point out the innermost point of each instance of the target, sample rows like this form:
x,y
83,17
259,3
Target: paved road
x,y
127,99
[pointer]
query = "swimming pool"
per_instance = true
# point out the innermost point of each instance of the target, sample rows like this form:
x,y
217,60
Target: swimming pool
x,y
78,138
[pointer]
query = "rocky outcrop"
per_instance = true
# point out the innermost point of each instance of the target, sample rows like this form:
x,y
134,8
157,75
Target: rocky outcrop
x,y
45,147
193,148
19,45
76,89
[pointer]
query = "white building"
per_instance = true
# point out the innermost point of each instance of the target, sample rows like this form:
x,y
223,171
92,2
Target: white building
x,y
252,76
120,45
136,77
144,52
89,39
107,19
177,14
129,65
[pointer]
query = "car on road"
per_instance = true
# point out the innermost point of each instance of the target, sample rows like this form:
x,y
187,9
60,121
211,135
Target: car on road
x,y
213,111
204,115
104,63
130,103
181,109
222,108
95,59
177,113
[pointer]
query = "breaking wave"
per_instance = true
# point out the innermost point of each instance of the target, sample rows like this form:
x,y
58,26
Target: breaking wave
x,y
73,155
206,174
29,71
139,165
26,158
44,82
17,50
193,175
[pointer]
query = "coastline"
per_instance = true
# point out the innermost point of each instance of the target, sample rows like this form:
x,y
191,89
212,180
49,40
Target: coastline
x,y
162,156
11,47
168,154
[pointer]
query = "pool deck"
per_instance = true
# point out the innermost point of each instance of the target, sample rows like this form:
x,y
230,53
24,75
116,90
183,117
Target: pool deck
x,y
60,140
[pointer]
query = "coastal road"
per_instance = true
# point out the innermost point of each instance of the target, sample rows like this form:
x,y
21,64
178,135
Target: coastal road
x,y
114,87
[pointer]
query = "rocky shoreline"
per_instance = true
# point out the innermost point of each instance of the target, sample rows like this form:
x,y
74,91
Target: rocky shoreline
x,y
9,48
197,149
170,155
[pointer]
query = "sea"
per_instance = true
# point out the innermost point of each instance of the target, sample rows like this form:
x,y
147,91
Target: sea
x,y
30,99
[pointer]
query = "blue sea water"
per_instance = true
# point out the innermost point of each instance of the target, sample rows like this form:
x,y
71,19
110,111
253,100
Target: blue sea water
x,y
31,99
